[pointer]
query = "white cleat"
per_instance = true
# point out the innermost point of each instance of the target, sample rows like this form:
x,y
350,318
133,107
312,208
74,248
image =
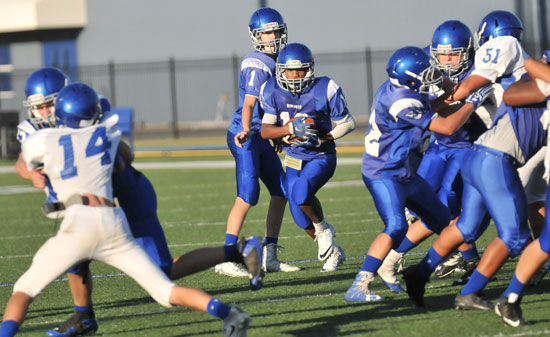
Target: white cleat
x,y
231,269
336,258
325,240
272,264
387,271
360,289
236,323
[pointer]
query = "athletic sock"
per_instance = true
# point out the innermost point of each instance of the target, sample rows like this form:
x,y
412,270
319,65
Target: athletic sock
x,y
515,287
218,308
230,246
371,264
469,254
269,240
476,282
429,262
405,246
9,328
84,309
321,226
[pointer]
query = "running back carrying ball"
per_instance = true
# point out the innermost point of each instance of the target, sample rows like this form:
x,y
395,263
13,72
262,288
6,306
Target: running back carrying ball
x,y
301,128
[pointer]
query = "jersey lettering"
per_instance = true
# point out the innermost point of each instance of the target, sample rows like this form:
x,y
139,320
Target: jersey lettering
x,y
372,145
489,57
70,170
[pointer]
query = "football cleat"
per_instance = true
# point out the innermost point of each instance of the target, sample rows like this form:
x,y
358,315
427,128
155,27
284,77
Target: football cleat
x,y
387,273
231,269
79,324
272,264
336,258
360,291
468,266
236,323
416,284
252,250
508,308
449,265
472,301
325,240
410,217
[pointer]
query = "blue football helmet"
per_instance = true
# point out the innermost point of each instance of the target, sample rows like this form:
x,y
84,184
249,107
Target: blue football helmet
x,y
42,87
295,56
453,37
499,23
77,105
410,67
267,20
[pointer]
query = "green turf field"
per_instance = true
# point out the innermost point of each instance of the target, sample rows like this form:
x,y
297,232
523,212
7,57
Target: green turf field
x,y
193,207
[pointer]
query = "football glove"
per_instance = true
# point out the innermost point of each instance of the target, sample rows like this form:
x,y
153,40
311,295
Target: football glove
x,y
477,97
312,142
546,55
301,129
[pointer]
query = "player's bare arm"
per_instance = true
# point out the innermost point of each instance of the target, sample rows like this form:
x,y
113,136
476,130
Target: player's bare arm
x,y
538,69
467,87
271,131
248,108
523,92
36,176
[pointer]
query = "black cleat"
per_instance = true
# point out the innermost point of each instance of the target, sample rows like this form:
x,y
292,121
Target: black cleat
x,y
79,324
509,310
416,284
452,263
472,302
468,266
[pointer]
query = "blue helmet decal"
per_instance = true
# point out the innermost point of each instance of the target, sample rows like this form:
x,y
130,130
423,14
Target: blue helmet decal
x,y
295,56
499,23
76,106
267,20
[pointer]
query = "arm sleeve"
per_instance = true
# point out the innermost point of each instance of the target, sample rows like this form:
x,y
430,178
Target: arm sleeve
x,y
270,113
33,150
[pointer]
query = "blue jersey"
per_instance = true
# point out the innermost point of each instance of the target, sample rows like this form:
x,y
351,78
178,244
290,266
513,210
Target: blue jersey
x,y
469,132
256,68
394,138
323,100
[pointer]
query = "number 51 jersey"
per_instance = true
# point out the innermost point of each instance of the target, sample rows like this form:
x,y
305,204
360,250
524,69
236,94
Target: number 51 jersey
x,y
76,161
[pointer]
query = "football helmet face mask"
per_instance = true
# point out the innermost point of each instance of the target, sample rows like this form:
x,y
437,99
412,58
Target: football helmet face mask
x,y
41,89
295,56
409,67
267,20
499,23
453,37
77,105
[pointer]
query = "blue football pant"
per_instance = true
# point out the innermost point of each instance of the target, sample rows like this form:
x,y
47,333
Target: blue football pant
x,y
492,184
303,184
391,196
256,159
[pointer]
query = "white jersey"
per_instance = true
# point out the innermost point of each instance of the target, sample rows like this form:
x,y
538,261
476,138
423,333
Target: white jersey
x,y
25,129
70,158
501,61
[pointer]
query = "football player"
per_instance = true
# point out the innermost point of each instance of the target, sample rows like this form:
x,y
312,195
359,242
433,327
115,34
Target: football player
x,y
452,52
135,195
400,116
93,227
255,158
533,90
516,135
297,103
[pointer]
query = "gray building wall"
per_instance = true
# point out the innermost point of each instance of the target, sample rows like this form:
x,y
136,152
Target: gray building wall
x,y
125,48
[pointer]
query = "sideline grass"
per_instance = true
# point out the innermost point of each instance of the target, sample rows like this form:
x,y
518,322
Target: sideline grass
x,y
193,208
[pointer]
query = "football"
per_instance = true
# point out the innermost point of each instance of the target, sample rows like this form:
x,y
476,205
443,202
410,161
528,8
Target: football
x,y
291,138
